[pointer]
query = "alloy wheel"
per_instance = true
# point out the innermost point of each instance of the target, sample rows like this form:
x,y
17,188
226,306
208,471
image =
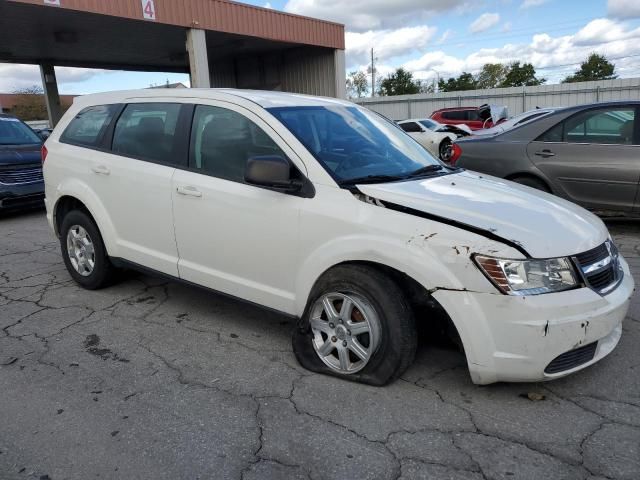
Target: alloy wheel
x,y
81,250
346,331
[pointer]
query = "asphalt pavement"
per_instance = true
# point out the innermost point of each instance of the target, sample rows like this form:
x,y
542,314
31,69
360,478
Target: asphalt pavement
x,y
151,379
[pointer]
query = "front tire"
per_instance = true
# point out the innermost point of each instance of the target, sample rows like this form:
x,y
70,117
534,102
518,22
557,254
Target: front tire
x,y
358,325
444,150
83,251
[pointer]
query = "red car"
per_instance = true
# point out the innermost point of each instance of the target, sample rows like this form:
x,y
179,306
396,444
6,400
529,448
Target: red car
x,y
471,116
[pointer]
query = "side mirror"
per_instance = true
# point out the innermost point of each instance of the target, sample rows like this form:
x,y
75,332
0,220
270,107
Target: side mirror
x,y
271,171
43,134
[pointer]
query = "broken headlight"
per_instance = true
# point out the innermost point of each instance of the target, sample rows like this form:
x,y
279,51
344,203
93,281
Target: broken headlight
x,y
529,277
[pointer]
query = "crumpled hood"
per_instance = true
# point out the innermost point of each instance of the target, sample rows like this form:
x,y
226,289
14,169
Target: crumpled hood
x,y
543,224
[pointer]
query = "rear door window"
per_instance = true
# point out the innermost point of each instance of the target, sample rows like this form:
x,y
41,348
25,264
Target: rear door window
x,y
473,115
147,131
613,126
89,126
455,115
605,126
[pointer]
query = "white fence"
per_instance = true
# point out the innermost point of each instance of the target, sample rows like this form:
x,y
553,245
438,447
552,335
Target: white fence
x,y
517,99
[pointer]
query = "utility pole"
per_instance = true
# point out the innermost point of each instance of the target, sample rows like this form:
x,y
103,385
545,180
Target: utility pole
x,y
373,75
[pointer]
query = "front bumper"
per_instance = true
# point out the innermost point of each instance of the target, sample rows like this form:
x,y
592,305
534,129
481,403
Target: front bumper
x,y
514,339
15,197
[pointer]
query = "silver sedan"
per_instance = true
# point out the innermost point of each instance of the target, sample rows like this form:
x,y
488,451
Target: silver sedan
x,y
589,154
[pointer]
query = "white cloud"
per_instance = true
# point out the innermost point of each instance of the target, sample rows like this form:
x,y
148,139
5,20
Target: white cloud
x,y
623,8
506,27
268,5
603,30
484,22
532,3
553,57
17,76
388,44
446,35
364,15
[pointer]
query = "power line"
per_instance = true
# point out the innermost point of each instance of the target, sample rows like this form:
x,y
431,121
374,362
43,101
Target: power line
x,y
579,62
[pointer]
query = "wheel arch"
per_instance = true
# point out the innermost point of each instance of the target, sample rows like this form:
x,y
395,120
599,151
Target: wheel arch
x,y
75,195
533,176
419,297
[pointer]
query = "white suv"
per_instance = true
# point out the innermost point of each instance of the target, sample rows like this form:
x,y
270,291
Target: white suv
x,y
329,213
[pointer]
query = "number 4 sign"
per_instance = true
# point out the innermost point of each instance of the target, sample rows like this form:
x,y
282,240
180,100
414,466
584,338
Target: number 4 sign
x,y
148,10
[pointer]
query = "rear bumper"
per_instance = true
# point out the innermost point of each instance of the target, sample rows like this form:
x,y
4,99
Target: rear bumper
x,y
514,339
15,197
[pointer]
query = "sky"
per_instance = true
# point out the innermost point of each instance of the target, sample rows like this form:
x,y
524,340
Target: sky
x,y
431,38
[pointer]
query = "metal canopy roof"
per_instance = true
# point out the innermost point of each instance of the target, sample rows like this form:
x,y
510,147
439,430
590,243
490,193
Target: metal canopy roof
x,y
113,34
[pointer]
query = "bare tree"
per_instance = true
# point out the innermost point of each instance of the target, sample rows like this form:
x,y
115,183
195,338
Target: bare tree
x,y
30,104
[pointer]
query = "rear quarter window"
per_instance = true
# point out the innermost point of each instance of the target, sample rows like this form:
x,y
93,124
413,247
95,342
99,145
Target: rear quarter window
x,y
88,127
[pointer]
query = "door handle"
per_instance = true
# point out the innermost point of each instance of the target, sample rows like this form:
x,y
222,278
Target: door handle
x,y
100,170
189,190
545,153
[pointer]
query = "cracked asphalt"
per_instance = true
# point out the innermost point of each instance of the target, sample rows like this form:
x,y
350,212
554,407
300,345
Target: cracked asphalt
x,y
151,379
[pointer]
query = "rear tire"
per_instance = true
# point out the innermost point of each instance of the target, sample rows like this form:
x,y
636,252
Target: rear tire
x,y
380,326
84,253
531,182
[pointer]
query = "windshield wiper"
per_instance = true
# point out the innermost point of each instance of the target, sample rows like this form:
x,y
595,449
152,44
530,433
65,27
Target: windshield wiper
x,y
425,169
392,178
372,179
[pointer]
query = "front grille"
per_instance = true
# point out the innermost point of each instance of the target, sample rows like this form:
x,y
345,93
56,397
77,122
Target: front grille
x,y
20,176
600,267
594,255
572,359
602,279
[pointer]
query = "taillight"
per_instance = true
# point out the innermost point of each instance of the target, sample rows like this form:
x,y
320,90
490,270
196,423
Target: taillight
x,y
43,153
456,152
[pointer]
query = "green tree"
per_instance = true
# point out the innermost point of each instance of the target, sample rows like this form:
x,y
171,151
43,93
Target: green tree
x,y
465,81
595,67
521,75
30,104
400,82
492,75
357,84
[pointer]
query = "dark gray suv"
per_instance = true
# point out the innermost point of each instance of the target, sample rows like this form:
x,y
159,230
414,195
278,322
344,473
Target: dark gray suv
x,y
589,154
21,183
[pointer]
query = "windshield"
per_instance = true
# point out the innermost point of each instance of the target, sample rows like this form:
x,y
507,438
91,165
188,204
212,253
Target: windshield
x,y
352,143
14,132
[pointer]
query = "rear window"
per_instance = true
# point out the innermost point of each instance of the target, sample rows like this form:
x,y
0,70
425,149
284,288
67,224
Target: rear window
x,y
88,126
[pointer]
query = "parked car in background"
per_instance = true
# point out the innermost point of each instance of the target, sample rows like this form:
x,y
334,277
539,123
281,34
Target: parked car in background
x,y
460,130
437,143
21,183
589,154
515,121
329,213
476,118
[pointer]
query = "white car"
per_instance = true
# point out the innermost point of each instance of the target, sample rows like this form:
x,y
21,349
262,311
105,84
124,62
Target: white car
x,y
437,143
327,212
